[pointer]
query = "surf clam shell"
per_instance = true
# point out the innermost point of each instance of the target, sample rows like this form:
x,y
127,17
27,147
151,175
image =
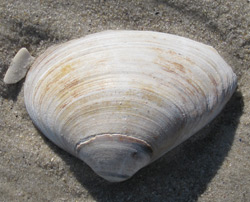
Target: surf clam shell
x,y
119,100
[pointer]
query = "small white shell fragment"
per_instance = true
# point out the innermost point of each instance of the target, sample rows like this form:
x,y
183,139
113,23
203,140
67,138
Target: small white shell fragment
x,y
18,67
119,100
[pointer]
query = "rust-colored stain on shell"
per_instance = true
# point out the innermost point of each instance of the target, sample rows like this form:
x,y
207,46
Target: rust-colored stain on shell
x,y
65,70
179,67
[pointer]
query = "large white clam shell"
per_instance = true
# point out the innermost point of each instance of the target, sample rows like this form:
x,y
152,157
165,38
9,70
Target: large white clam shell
x,y
118,100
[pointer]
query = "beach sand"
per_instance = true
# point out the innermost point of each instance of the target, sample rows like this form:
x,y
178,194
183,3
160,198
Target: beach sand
x,y
214,165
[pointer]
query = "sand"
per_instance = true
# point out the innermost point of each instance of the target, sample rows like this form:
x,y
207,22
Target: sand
x,y
214,165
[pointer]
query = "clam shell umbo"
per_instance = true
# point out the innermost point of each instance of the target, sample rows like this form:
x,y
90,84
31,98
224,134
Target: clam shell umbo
x,y
119,100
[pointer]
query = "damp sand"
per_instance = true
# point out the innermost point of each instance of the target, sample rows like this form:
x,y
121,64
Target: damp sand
x,y
214,165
